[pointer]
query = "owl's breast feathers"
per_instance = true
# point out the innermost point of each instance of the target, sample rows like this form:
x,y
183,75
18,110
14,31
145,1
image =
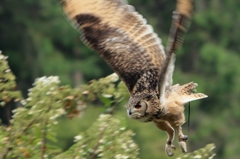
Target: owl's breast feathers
x,y
122,37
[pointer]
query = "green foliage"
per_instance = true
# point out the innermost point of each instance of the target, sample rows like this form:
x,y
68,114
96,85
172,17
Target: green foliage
x,y
203,153
104,139
30,133
7,83
107,90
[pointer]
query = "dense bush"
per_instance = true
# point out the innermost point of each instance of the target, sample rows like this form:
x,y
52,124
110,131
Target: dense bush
x,y
31,131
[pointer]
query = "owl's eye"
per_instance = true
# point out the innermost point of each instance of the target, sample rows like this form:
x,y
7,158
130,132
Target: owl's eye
x,y
138,106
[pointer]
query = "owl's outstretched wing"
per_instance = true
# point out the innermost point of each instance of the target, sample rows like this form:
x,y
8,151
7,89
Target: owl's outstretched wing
x,y
180,24
122,37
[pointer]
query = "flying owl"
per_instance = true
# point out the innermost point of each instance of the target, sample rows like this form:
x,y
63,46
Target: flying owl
x,y
122,37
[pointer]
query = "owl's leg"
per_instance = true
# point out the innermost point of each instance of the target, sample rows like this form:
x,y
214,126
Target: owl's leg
x,y
182,139
165,126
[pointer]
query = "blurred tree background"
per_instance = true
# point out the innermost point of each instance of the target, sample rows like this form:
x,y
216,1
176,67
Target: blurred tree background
x,y
40,41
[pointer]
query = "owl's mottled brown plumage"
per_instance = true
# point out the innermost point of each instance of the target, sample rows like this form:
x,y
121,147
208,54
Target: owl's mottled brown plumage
x,y
128,44
122,37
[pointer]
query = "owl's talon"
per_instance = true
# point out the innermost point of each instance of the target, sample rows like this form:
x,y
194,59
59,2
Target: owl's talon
x,y
185,138
183,146
169,149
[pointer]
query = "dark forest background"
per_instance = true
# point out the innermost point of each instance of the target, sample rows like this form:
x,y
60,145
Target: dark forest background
x,y
39,41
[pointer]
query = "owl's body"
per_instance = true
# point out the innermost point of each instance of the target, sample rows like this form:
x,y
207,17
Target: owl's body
x,y
124,40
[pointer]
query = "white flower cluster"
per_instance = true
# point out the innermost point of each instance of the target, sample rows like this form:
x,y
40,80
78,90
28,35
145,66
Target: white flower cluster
x,y
113,77
120,156
100,150
107,95
58,113
47,80
77,138
2,103
129,144
103,117
2,57
197,156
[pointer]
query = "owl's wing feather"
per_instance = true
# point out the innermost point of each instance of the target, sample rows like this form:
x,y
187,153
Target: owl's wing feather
x,y
184,93
180,25
122,37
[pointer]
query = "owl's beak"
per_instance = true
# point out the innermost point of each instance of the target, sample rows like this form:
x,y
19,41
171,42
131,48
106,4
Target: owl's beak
x,y
130,112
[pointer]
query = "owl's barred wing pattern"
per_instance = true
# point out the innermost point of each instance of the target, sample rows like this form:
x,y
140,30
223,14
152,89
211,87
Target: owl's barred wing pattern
x,y
122,37
184,93
180,24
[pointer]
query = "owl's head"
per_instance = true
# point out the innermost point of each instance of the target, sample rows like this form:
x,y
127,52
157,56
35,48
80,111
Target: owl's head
x,y
141,107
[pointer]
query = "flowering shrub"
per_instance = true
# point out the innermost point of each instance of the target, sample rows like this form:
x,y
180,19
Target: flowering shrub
x,y
31,133
7,83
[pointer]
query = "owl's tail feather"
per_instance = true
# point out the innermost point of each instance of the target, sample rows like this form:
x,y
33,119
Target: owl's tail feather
x,y
186,93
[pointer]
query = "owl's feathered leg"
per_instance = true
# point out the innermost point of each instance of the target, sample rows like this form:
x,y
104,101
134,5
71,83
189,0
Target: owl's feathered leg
x,y
182,139
165,126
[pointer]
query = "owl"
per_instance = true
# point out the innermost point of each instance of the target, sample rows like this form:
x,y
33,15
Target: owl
x,y
122,37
